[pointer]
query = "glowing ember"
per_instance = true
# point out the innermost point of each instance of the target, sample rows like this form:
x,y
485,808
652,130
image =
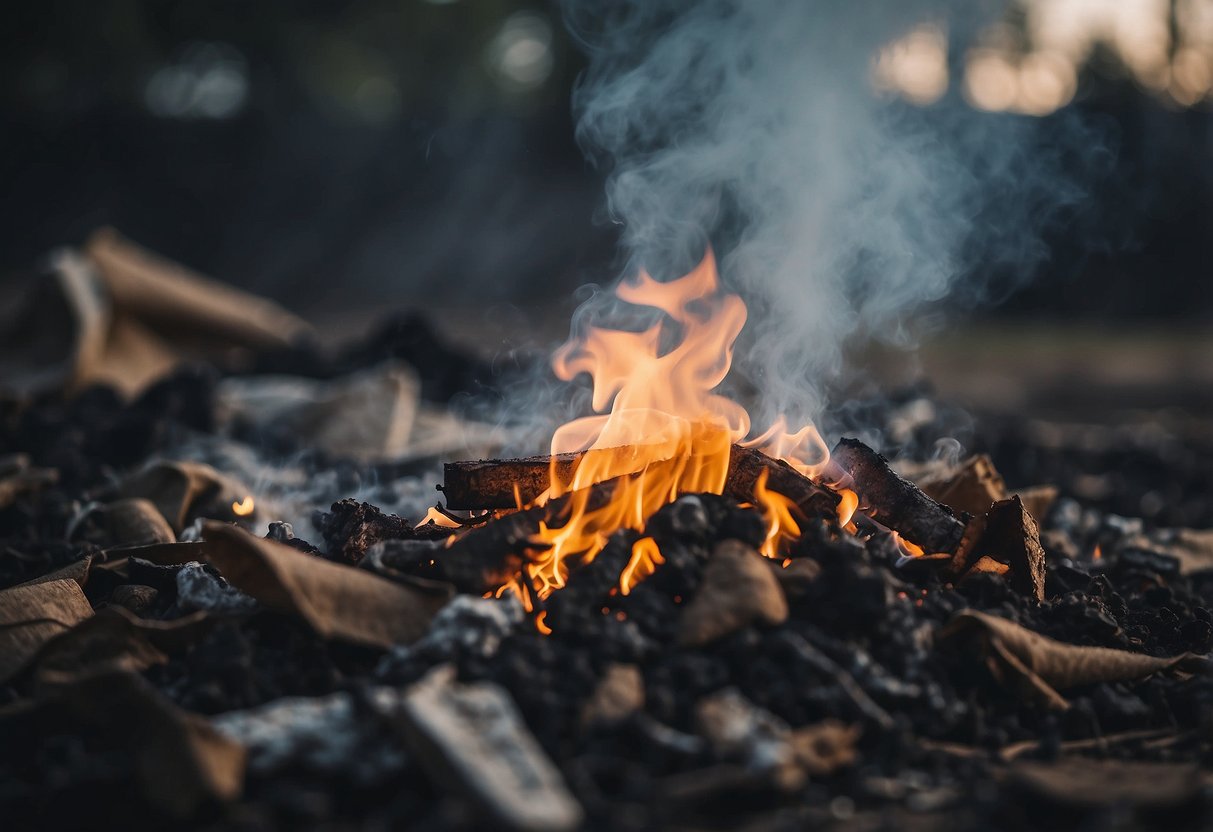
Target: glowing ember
x,y
243,508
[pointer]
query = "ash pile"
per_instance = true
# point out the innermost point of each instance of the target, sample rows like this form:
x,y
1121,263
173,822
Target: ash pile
x,y
936,645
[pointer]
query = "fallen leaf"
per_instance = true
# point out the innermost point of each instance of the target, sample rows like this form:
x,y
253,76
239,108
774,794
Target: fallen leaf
x,y
77,571
183,491
1086,783
115,638
30,615
127,522
181,761
337,601
1041,666
738,588
973,486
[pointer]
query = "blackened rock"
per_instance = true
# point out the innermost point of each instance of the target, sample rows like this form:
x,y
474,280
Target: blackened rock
x,y
326,735
573,608
1137,559
619,694
352,527
738,589
467,626
198,588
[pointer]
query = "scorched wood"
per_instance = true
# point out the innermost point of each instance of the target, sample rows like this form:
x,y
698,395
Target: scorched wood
x,y
491,483
897,503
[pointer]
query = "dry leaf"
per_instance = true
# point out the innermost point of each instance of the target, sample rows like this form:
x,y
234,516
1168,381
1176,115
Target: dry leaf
x,y
115,638
182,304
30,615
973,487
77,571
337,601
182,762
1041,666
183,491
1085,783
126,522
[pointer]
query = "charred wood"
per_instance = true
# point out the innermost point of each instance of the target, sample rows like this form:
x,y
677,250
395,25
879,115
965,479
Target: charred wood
x,y
898,503
486,484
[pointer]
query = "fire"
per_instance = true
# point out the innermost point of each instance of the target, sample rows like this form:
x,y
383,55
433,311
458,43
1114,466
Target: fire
x,y
660,430
243,508
777,510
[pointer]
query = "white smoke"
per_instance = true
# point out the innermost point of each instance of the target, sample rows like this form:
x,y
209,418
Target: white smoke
x,y
752,124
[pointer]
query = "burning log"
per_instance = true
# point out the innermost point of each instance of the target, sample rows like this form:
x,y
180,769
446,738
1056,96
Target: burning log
x,y
491,483
898,503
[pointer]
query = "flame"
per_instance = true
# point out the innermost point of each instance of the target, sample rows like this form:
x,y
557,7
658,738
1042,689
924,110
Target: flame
x,y
438,519
907,548
243,508
646,557
777,510
659,431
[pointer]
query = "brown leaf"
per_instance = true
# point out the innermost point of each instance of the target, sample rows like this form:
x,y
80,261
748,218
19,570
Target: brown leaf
x,y
183,491
338,602
115,638
31,615
77,571
973,487
738,588
1040,666
126,522
181,762
183,306
1085,783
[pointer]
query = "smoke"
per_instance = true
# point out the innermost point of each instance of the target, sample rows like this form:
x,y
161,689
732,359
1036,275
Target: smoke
x,y
836,214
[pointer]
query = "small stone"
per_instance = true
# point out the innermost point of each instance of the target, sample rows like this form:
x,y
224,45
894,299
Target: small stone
x,y
325,735
620,693
739,731
199,589
135,597
280,531
738,589
472,739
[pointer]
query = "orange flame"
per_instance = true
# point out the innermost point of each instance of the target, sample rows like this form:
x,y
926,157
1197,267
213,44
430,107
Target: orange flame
x,y
243,508
660,431
777,509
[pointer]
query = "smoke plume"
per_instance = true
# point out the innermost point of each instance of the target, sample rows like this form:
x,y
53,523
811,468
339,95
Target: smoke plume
x,y
835,213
